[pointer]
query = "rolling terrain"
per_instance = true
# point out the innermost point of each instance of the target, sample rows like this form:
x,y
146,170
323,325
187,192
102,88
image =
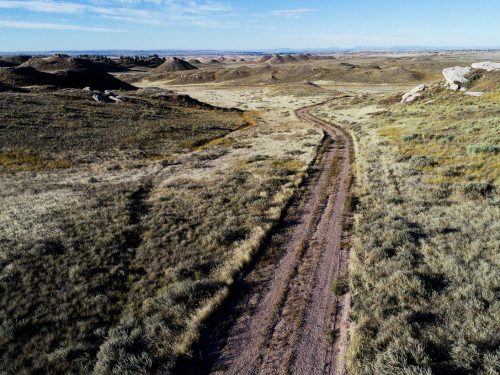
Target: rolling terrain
x,y
227,215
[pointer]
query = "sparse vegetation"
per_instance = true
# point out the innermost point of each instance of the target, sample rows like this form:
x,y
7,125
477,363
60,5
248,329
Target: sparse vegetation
x,y
112,264
70,123
425,267
123,226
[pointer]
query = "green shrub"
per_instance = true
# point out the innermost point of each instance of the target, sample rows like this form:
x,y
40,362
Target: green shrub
x,y
483,148
340,285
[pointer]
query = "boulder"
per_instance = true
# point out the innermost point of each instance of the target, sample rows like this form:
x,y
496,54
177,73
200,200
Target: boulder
x,y
98,98
456,77
414,93
489,66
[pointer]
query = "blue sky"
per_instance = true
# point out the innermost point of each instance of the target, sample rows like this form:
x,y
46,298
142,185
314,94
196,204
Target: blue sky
x,y
38,25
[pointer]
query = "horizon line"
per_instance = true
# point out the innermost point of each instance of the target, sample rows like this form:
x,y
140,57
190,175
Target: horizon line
x,y
402,48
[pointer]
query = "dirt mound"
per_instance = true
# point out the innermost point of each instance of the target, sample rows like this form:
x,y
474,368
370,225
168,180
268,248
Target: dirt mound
x,y
212,75
265,58
303,57
214,62
234,74
403,74
276,59
29,76
195,62
290,58
282,59
88,78
173,64
15,59
58,63
26,76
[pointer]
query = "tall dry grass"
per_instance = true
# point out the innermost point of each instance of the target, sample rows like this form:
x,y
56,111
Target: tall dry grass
x,y
425,269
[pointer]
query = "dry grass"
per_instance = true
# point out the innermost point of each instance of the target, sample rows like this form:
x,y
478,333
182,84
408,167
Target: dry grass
x,y
122,227
448,139
25,160
71,124
113,264
424,273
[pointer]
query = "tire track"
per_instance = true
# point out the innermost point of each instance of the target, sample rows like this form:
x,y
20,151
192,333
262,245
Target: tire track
x,y
296,324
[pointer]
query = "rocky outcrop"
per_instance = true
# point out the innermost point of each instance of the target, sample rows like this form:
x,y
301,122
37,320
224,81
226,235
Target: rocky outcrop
x,y
414,93
489,66
457,77
99,99
107,96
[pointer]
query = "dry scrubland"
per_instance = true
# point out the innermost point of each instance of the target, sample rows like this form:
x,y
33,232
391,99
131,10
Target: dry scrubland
x,y
424,271
123,225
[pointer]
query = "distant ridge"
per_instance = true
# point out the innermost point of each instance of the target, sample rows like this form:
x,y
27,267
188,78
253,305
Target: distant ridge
x,y
269,51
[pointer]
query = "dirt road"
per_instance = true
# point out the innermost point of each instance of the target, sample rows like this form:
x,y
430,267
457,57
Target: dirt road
x,y
290,321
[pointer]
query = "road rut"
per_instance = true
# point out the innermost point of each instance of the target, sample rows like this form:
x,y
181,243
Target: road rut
x,y
294,324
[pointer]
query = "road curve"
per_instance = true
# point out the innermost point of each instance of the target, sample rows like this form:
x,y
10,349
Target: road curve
x,y
294,324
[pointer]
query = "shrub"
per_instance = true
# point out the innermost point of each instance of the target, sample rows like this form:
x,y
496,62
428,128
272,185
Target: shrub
x,y
483,148
340,285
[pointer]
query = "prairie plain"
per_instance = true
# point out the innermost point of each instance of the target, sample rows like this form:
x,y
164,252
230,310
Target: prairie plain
x,y
150,234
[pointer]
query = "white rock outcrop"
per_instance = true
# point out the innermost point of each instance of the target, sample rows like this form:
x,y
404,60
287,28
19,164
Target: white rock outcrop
x,y
414,93
98,98
456,77
489,66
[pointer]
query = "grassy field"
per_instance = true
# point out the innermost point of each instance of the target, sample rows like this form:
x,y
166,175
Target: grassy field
x,y
424,271
69,124
122,226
